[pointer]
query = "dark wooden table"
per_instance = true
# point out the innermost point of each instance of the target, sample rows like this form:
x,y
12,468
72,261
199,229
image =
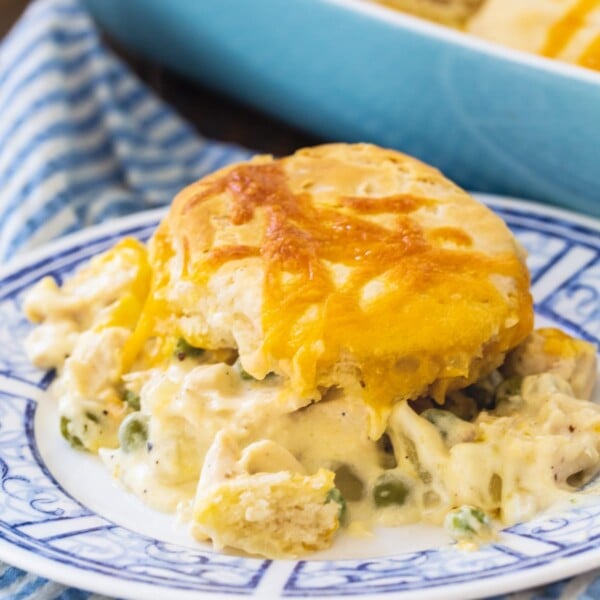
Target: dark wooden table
x,y
216,116
212,114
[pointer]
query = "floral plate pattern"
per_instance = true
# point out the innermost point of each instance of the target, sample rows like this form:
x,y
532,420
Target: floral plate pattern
x,y
46,529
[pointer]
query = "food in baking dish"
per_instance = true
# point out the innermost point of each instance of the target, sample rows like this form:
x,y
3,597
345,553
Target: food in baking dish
x,y
340,336
449,12
567,30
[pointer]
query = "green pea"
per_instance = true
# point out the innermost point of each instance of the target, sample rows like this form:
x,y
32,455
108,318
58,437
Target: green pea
x,y
334,495
243,373
508,388
508,396
75,442
132,399
133,432
349,483
452,429
390,490
467,522
92,417
183,349
246,376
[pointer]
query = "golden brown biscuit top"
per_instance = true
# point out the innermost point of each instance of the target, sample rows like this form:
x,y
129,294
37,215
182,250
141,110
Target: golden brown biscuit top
x,y
377,270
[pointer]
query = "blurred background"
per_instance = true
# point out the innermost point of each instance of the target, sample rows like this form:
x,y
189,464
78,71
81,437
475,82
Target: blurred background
x,y
212,114
491,119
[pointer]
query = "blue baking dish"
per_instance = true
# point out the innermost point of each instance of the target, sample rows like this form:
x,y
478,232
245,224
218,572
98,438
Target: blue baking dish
x,y
490,118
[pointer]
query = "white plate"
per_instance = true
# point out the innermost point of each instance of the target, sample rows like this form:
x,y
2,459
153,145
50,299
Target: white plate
x,y
62,517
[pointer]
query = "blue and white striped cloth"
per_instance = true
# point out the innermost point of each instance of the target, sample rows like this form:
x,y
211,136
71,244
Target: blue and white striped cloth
x,y
81,138
82,141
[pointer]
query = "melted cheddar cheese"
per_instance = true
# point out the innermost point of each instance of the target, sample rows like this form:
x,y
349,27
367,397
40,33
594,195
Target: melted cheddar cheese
x,y
353,285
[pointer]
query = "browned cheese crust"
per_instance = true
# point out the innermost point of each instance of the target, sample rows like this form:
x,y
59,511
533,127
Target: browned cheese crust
x,y
341,265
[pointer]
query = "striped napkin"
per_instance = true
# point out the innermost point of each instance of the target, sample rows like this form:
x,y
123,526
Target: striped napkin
x,y
82,140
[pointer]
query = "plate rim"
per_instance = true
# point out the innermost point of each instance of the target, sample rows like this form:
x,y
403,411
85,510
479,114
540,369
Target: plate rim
x,y
99,583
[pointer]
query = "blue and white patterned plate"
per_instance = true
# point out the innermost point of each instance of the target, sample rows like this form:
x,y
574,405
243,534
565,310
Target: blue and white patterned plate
x,y
62,517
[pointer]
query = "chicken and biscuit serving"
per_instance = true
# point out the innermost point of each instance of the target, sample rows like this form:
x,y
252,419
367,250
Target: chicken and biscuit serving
x,y
339,336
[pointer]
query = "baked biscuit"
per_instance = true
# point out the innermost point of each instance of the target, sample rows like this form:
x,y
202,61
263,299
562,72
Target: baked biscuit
x,y
343,266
